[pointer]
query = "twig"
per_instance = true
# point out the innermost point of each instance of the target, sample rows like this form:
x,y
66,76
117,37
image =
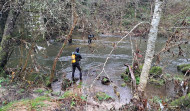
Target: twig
x,y
132,75
187,72
169,47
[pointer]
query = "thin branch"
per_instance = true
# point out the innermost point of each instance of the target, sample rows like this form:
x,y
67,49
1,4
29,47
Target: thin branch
x,y
103,69
64,44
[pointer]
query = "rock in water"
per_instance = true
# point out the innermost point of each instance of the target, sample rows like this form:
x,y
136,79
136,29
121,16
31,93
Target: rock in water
x,y
105,80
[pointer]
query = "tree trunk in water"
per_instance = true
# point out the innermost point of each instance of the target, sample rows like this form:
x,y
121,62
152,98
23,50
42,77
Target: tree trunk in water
x,y
72,18
150,46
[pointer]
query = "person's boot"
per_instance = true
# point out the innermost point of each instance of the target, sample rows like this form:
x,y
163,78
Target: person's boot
x,y
80,76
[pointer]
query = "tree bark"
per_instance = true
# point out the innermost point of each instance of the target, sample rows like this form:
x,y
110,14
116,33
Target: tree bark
x,y
73,9
75,17
150,46
3,16
5,46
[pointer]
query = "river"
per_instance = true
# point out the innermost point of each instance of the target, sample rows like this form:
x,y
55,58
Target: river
x,y
95,54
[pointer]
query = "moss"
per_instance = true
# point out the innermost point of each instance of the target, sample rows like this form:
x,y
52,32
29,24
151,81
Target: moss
x,y
153,70
157,81
137,79
184,68
123,85
182,102
179,67
125,77
156,70
136,72
105,79
101,96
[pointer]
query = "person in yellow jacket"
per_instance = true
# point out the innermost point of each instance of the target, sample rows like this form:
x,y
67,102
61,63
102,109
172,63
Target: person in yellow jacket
x,y
76,57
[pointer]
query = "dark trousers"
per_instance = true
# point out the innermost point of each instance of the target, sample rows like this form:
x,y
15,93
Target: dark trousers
x,y
74,66
89,40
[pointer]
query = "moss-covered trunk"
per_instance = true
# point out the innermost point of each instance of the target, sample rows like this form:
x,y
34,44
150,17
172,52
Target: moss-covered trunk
x,y
5,47
3,17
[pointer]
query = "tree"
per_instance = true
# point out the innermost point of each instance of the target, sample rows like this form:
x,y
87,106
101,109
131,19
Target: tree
x,y
5,47
151,45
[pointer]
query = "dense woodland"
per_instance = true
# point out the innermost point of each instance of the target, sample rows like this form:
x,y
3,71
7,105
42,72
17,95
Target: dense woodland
x,y
26,85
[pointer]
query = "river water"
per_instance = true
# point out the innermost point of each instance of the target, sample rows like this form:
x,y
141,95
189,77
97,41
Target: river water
x,y
95,54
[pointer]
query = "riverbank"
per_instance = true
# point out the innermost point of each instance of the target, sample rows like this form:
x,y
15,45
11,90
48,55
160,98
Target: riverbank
x,y
81,96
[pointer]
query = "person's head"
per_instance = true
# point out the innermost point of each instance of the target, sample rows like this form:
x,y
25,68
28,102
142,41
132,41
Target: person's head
x,y
77,50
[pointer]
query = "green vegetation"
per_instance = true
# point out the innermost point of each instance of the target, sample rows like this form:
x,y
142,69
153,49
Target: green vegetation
x,y
38,78
155,73
157,81
84,98
102,96
182,102
123,84
72,102
35,104
179,67
67,94
8,106
156,70
39,91
156,99
137,79
179,77
184,68
67,83
125,77
2,73
2,80
21,90
105,79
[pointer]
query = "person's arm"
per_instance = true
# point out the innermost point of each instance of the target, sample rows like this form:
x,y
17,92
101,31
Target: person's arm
x,y
80,56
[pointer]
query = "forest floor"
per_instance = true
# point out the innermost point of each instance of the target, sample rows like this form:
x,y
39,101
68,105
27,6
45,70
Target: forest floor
x,y
21,97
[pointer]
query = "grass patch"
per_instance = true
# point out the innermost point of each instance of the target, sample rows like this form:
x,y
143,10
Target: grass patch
x,y
39,91
34,104
67,94
123,84
21,90
182,102
179,67
37,103
102,96
84,98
